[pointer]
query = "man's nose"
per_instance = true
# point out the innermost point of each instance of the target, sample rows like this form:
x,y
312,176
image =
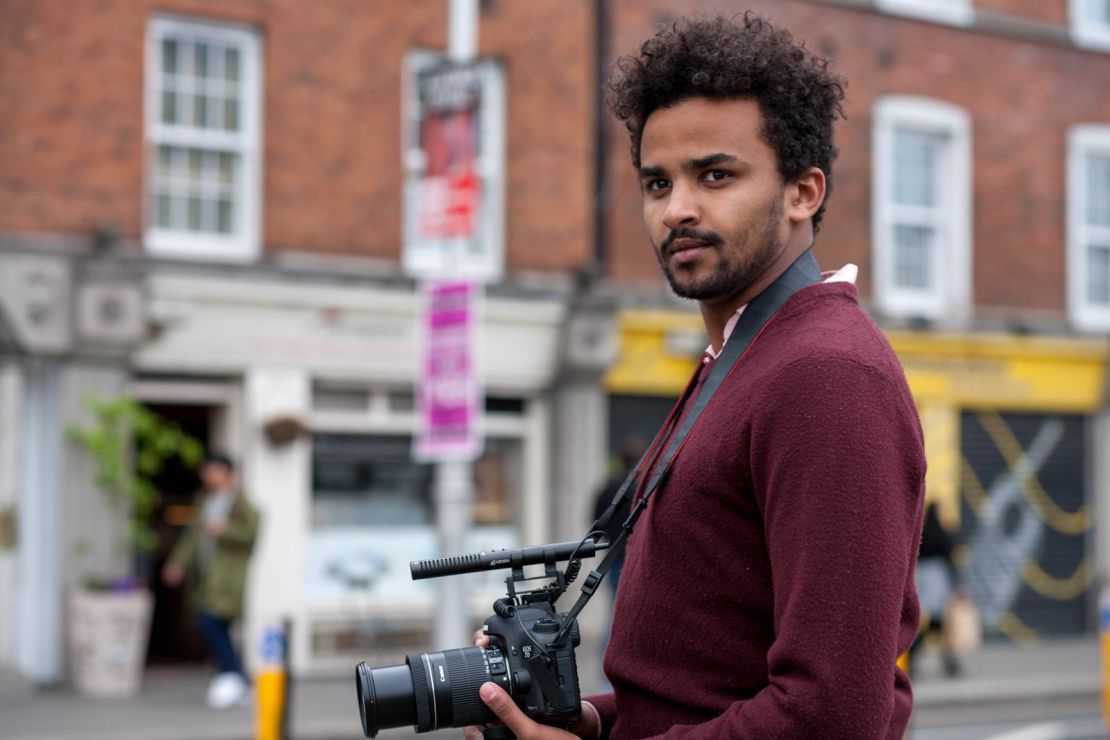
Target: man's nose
x,y
682,208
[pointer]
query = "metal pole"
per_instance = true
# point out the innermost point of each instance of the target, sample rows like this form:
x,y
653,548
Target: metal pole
x,y
454,481
453,496
462,30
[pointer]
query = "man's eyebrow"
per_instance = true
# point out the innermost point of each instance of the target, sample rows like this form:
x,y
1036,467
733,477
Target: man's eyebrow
x,y
708,160
694,164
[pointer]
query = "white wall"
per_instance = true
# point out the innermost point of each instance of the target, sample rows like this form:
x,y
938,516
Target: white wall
x,y
277,481
10,412
39,593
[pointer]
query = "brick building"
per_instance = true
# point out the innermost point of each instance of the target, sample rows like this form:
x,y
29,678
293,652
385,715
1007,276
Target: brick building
x,y
201,205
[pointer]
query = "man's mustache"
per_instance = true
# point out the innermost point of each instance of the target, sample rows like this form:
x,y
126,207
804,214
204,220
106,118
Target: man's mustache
x,y
705,236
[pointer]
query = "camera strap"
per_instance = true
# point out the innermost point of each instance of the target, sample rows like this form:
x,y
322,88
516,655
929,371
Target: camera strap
x,y
759,311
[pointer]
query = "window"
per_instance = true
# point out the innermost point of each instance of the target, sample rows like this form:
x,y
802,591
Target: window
x,y
1090,23
956,12
203,140
921,202
1089,227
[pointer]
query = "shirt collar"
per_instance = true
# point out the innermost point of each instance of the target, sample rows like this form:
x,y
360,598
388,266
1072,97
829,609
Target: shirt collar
x,y
846,274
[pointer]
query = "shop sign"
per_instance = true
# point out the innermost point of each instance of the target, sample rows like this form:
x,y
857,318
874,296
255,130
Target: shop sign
x,y
448,393
1000,371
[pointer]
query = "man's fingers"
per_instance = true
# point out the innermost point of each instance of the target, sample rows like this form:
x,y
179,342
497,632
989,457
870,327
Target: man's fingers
x,y
481,639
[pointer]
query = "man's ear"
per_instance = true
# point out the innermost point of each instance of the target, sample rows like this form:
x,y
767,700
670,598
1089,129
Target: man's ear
x,y
804,195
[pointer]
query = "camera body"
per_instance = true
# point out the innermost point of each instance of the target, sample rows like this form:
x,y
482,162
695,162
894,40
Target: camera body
x,y
530,655
542,676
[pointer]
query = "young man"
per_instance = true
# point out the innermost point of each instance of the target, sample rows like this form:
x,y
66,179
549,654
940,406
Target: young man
x,y
212,559
768,586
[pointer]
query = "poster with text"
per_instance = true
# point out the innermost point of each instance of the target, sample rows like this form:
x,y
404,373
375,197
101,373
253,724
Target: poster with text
x,y
449,395
454,162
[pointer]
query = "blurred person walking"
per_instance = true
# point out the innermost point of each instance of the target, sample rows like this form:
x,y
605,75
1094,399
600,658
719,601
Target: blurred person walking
x,y
211,561
936,586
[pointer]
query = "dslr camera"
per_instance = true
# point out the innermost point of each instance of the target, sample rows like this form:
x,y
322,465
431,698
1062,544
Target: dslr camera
x,y
530,652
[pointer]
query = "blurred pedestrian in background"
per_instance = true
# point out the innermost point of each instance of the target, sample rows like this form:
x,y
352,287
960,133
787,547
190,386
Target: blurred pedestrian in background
x,y
936,586
628,454
211,560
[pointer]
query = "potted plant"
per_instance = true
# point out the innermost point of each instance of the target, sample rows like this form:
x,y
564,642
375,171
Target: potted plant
x,y
109,618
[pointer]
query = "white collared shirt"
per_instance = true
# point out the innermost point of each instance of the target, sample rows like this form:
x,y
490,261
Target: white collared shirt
x,y
846,274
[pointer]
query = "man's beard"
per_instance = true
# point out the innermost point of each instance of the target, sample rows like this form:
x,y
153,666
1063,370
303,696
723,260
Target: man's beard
x,y
728,278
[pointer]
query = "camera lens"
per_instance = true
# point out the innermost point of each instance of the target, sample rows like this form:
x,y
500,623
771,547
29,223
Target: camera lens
x,y
385,697
430,691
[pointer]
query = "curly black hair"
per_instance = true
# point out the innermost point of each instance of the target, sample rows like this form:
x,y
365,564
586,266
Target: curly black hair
x,y
742,57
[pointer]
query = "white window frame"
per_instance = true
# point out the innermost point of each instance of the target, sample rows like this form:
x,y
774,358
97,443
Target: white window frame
x,y
1086,31
245,244
1083,142
950,296
953,12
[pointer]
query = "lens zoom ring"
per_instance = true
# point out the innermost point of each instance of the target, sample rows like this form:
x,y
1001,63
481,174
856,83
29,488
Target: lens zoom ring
x,y
467,669
422,693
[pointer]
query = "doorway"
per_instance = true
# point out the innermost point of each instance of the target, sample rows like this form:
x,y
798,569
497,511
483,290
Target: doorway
x,y
174,637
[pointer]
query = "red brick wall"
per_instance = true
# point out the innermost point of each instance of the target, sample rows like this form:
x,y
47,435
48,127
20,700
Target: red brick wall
x,y
1022,99
71,133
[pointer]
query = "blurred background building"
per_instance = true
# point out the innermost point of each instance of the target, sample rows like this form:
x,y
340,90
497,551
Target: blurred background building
x,y
202,206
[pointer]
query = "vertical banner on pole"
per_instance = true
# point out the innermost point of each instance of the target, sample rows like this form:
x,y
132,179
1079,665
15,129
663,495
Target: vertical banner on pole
x,y
454,169
449,394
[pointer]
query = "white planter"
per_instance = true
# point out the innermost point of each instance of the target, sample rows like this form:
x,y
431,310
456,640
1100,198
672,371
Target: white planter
x,y
108,635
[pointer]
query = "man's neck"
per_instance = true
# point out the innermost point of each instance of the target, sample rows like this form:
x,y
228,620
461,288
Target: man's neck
x,y
715,313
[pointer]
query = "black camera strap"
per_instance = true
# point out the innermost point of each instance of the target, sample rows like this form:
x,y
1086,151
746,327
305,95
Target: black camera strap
x,y
759,311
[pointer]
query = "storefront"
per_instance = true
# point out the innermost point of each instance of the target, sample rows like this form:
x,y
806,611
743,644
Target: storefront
x,y
1013,428
1012,438
310,386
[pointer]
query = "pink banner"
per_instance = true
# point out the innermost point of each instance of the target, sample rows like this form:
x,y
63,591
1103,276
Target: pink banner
x,y
449,393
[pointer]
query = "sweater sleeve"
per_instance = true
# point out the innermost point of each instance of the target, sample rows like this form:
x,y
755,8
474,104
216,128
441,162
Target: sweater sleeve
x,y
837,465
606,706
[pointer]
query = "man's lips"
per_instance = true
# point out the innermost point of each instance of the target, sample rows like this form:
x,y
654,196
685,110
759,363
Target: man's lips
x,y
685,249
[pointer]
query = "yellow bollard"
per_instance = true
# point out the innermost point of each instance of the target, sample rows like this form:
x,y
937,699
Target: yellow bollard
x,y
270,687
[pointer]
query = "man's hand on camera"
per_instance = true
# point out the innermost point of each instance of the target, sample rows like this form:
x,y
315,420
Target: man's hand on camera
x,y
522,726
525,728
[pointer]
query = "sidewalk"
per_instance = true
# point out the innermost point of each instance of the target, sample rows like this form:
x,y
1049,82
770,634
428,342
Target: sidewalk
x,y
171,706
1003,672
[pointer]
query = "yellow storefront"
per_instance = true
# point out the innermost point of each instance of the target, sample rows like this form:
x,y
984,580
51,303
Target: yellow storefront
x,y
1007,421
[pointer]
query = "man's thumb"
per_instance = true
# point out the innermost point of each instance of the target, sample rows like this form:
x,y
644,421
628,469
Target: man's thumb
x,y
500,702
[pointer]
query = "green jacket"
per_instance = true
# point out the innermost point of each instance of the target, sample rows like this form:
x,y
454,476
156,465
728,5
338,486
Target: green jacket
x,y
216,584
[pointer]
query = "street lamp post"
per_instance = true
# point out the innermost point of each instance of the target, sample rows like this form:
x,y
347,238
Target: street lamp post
x,y
454,480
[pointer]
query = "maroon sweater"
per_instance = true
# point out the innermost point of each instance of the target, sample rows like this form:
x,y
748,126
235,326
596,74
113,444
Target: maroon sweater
x,y
768,587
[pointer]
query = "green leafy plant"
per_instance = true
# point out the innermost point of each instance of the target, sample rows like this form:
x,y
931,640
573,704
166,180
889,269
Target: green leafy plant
x,y
131,446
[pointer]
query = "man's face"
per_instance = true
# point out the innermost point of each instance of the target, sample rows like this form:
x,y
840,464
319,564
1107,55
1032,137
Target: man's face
x,y
215,477
712,196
